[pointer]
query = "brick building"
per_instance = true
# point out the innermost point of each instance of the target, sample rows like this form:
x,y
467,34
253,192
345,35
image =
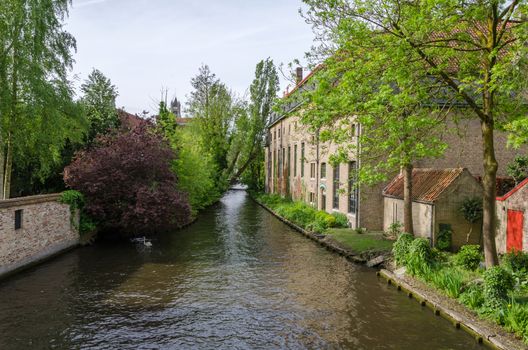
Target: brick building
x,y
297,163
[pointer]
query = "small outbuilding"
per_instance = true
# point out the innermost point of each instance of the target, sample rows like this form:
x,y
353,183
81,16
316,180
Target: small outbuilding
x,y
512,225
438,195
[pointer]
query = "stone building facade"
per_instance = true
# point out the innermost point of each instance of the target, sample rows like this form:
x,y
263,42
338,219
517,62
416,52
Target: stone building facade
x,y
298,165
438,195
34,228
512,217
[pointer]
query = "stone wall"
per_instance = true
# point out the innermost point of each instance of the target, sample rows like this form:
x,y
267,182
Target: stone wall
x,y
46,228
517,199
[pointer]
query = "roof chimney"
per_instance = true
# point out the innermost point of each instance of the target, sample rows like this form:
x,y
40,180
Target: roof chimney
x,y
299,74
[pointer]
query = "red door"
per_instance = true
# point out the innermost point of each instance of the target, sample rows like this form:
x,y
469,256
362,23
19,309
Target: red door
x,y
514,231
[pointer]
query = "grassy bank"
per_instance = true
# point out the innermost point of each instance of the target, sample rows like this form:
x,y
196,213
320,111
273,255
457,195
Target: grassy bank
x,y
499,294
335,225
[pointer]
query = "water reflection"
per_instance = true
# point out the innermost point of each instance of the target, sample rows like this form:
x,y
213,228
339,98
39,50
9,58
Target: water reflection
x,y
236,279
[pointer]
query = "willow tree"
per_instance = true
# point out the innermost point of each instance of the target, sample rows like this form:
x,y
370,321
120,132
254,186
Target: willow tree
x,y
37,113
475,50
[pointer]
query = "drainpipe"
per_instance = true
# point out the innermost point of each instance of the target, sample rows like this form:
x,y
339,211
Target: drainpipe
x,y
317,169
358,160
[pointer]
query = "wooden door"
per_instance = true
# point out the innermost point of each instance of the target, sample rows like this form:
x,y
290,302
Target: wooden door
x,y
514,230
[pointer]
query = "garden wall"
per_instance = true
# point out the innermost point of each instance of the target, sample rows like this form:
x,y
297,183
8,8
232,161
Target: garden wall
x,y
34,228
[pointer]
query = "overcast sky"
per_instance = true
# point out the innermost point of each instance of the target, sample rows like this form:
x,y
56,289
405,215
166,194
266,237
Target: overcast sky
x,y
145,46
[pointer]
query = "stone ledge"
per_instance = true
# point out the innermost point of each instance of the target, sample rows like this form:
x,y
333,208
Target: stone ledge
x,y
329,244
483,331
21,201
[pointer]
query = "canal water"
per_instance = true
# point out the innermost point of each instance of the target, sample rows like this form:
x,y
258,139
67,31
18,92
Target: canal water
x,y
236,279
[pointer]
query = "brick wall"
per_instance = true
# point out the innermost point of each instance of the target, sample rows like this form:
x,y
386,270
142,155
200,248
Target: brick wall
x,y
46,228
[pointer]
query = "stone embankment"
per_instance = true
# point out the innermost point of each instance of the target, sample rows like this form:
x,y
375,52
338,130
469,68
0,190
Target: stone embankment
x,y
484,331
370,258
33,229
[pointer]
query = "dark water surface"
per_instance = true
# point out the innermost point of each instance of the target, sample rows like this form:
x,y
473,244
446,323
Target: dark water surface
x,y
236,279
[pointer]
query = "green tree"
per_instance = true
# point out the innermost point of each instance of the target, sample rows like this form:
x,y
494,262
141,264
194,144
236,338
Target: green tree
x,y
214,107
518,168
370,98
251,127
37,113
99,102
474,50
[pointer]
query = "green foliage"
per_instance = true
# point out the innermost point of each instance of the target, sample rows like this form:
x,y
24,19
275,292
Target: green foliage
x,y
215,109
497,283
472,296
443,241
469,257
99,103
37,112
195,168
300,213
515,319
420,257
76,201
516,261
449,280
401,247
518,168
471,209
247,152
341,220
395,229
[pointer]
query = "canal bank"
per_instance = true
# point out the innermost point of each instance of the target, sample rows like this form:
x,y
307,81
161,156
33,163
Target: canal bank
x,y
237,278
482,330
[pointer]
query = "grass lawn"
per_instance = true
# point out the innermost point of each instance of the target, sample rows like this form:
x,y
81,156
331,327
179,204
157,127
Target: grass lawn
x,y
360,243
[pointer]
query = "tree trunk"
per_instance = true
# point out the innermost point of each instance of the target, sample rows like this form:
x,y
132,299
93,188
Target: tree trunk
x,y
490,193
407,199
2,168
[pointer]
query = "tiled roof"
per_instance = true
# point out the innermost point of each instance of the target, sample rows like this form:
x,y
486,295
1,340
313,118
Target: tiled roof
x,y
514,190
427,184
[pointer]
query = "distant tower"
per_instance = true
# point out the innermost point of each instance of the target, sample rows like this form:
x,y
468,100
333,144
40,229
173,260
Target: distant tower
x,y
175,107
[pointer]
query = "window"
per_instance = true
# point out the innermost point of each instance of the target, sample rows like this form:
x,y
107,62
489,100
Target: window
x,y
295,160
323,199
302,159
323,170
312,198
352,189
275,135
18,219
353,130
312,170
336,188
279,132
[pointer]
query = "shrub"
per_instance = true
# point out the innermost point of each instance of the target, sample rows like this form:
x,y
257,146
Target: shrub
x,y
497,283
128,183
472,296
395,229
443,241
515,319
341,220
419,257
468,257
448,280
516,261
76,201
401,248
471,209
